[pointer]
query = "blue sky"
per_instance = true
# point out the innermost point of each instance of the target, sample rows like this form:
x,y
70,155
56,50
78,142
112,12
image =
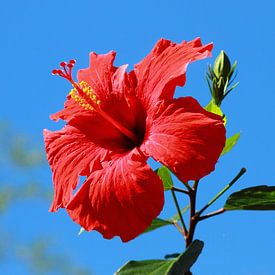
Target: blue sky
x,y
37,35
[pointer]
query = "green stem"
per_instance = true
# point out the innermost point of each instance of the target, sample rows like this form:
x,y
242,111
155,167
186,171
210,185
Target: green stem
x,y
179,212
242,171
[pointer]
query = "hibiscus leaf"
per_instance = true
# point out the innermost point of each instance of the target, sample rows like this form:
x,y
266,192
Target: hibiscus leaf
x,y
166,178
171,256
252,198
157,223
148,267
215,109
178,266
230,143
185,261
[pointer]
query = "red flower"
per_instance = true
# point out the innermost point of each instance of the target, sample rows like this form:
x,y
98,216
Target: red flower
x,y
115,121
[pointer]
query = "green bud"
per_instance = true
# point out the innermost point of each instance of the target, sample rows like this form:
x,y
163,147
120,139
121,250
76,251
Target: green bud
x,y
222,66
220,78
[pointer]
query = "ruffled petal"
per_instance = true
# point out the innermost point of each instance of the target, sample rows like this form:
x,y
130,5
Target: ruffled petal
x,y
71,110
185,138
164,68
112,86
121,199
99,74
70,154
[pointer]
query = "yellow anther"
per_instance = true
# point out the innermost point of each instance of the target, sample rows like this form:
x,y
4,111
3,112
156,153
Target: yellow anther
x,y
84,99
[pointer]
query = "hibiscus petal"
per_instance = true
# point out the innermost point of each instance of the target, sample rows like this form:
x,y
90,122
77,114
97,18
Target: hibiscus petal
x,y
185,138
109,83
70,154
70,111
121,199
99,73
164,68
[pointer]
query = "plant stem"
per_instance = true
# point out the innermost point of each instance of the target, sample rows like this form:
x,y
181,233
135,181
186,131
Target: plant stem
x,y
180,190
179,212
187,186
179,228
242,171
195,186
193,217
212,214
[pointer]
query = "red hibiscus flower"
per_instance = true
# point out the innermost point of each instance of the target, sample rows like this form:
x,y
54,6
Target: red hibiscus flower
x,y
115,120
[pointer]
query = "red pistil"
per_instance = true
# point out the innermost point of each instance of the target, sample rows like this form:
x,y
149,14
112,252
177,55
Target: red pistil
x,y
66,72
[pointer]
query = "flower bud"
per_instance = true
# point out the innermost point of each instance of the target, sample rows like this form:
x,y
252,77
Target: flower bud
x,y
222,65
219,78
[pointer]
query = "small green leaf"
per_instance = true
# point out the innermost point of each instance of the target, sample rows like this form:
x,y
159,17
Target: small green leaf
x,y
157,223
178,266
230,143
81,231
252,198
165,175
215,109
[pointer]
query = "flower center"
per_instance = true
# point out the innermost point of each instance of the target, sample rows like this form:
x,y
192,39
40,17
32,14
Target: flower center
x,y
85,99
83,94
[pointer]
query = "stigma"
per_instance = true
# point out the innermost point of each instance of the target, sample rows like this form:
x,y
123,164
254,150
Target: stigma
x,y
81,93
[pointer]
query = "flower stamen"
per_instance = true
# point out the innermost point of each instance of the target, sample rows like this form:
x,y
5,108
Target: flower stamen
x,y
85,102
83,94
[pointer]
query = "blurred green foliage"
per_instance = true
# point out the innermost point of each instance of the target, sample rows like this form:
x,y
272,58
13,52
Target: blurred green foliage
x,y
20,157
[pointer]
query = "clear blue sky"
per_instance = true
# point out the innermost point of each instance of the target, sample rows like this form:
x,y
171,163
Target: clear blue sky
x,y
37,35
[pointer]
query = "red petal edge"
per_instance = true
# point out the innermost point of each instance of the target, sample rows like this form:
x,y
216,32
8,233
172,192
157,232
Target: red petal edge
x,y
185,138
165,67
70,154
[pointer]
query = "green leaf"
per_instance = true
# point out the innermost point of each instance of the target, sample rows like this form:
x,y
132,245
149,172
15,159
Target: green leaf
x,y
173,255
178,266
230,143
165,175
148,267
215,109
81,231
252,198
157,223
186,259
